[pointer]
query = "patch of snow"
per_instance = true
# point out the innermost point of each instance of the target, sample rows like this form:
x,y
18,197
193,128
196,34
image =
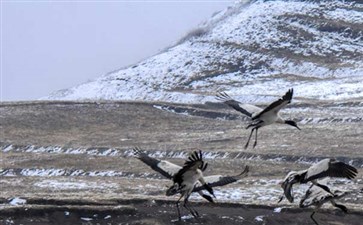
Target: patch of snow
x,y
277,210
9,221
42,172
259,218
68,185
17,201
185,217
7,173
8,148
107,217
240,217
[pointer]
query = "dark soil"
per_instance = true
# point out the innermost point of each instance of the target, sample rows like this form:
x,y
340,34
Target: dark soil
x,y
164,212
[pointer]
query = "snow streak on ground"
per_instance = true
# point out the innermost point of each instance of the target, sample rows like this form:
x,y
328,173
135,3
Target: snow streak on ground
x,y
248,191
17,201
76,185
251,50
279,158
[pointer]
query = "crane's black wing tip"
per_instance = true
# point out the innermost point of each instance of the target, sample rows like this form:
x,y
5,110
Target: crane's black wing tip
x,y
288,95
208,198
244,172
137,151
194,157
247,169
222,96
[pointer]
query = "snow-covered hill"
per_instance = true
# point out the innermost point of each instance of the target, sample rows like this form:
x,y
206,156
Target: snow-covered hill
x,y
251,51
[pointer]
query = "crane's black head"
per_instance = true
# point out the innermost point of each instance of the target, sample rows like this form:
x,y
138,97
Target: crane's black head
x,y
292,123
342,207
291,178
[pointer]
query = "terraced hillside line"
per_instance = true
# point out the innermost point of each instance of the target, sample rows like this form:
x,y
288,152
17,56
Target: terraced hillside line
x,y
167,154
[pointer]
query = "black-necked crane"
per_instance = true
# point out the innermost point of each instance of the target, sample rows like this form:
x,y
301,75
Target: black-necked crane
x,y
317,196
186,179
323,168
168,170
177,174
260,117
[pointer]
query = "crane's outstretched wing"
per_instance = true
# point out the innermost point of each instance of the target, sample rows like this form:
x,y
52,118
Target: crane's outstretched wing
x,y
330,168
314,195
220,180
165,168
246,109
322,169
275,106
196,158
194,162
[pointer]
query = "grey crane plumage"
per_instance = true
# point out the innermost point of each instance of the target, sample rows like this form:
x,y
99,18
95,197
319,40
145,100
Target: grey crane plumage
x,y
260,117
317,195
324,168
169,170
186,179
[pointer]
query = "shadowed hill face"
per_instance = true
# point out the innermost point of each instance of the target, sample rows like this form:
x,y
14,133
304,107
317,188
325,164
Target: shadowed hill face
x,y
251,50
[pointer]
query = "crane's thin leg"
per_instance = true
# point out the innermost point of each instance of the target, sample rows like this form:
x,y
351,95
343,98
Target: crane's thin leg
x,y
254,144
177,207
323,187
194,212
249,138
311,216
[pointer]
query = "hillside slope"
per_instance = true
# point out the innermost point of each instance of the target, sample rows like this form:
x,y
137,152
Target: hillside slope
x,y
250,50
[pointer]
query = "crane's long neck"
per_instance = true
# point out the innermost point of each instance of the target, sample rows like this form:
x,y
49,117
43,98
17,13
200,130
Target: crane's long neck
x,y
342,207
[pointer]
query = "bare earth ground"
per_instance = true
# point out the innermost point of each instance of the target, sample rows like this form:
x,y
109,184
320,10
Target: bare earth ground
x,y
72,162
